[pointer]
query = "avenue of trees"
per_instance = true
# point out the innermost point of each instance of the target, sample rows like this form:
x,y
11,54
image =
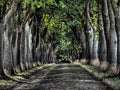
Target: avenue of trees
x,y
34,32
22,46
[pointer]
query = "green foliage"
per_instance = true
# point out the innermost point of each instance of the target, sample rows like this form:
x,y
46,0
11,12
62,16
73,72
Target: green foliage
x,y
37,3
58,17
2,2
62,4
94,10
116,1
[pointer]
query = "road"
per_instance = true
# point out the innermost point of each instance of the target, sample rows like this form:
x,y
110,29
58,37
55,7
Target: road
x,y
63,77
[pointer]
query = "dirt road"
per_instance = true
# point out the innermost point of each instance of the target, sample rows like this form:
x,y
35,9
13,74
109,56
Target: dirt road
x,y
62,77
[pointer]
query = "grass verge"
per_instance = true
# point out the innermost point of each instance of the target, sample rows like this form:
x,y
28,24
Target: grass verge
x,y
113,81
20,77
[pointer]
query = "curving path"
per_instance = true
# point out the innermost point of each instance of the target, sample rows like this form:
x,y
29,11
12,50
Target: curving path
x,y
63,77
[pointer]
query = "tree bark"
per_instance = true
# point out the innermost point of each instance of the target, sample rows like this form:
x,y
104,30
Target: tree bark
x,y
102,52
113,40
117,26
1,50
106,24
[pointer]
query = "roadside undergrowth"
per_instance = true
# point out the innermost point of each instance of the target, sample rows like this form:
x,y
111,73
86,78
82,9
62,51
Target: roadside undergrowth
x,y
113,81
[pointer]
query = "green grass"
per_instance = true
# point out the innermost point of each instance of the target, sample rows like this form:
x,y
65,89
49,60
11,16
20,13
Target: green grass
x,y
104,76
6,82
13,80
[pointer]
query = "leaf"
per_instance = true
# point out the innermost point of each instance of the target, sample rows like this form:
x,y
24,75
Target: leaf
x,y
62,4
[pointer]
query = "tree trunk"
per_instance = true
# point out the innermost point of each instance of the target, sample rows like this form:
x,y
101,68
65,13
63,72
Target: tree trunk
x,y
22,49
106,24
117,26
83,44
6,53
1,51
113,41
102,41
